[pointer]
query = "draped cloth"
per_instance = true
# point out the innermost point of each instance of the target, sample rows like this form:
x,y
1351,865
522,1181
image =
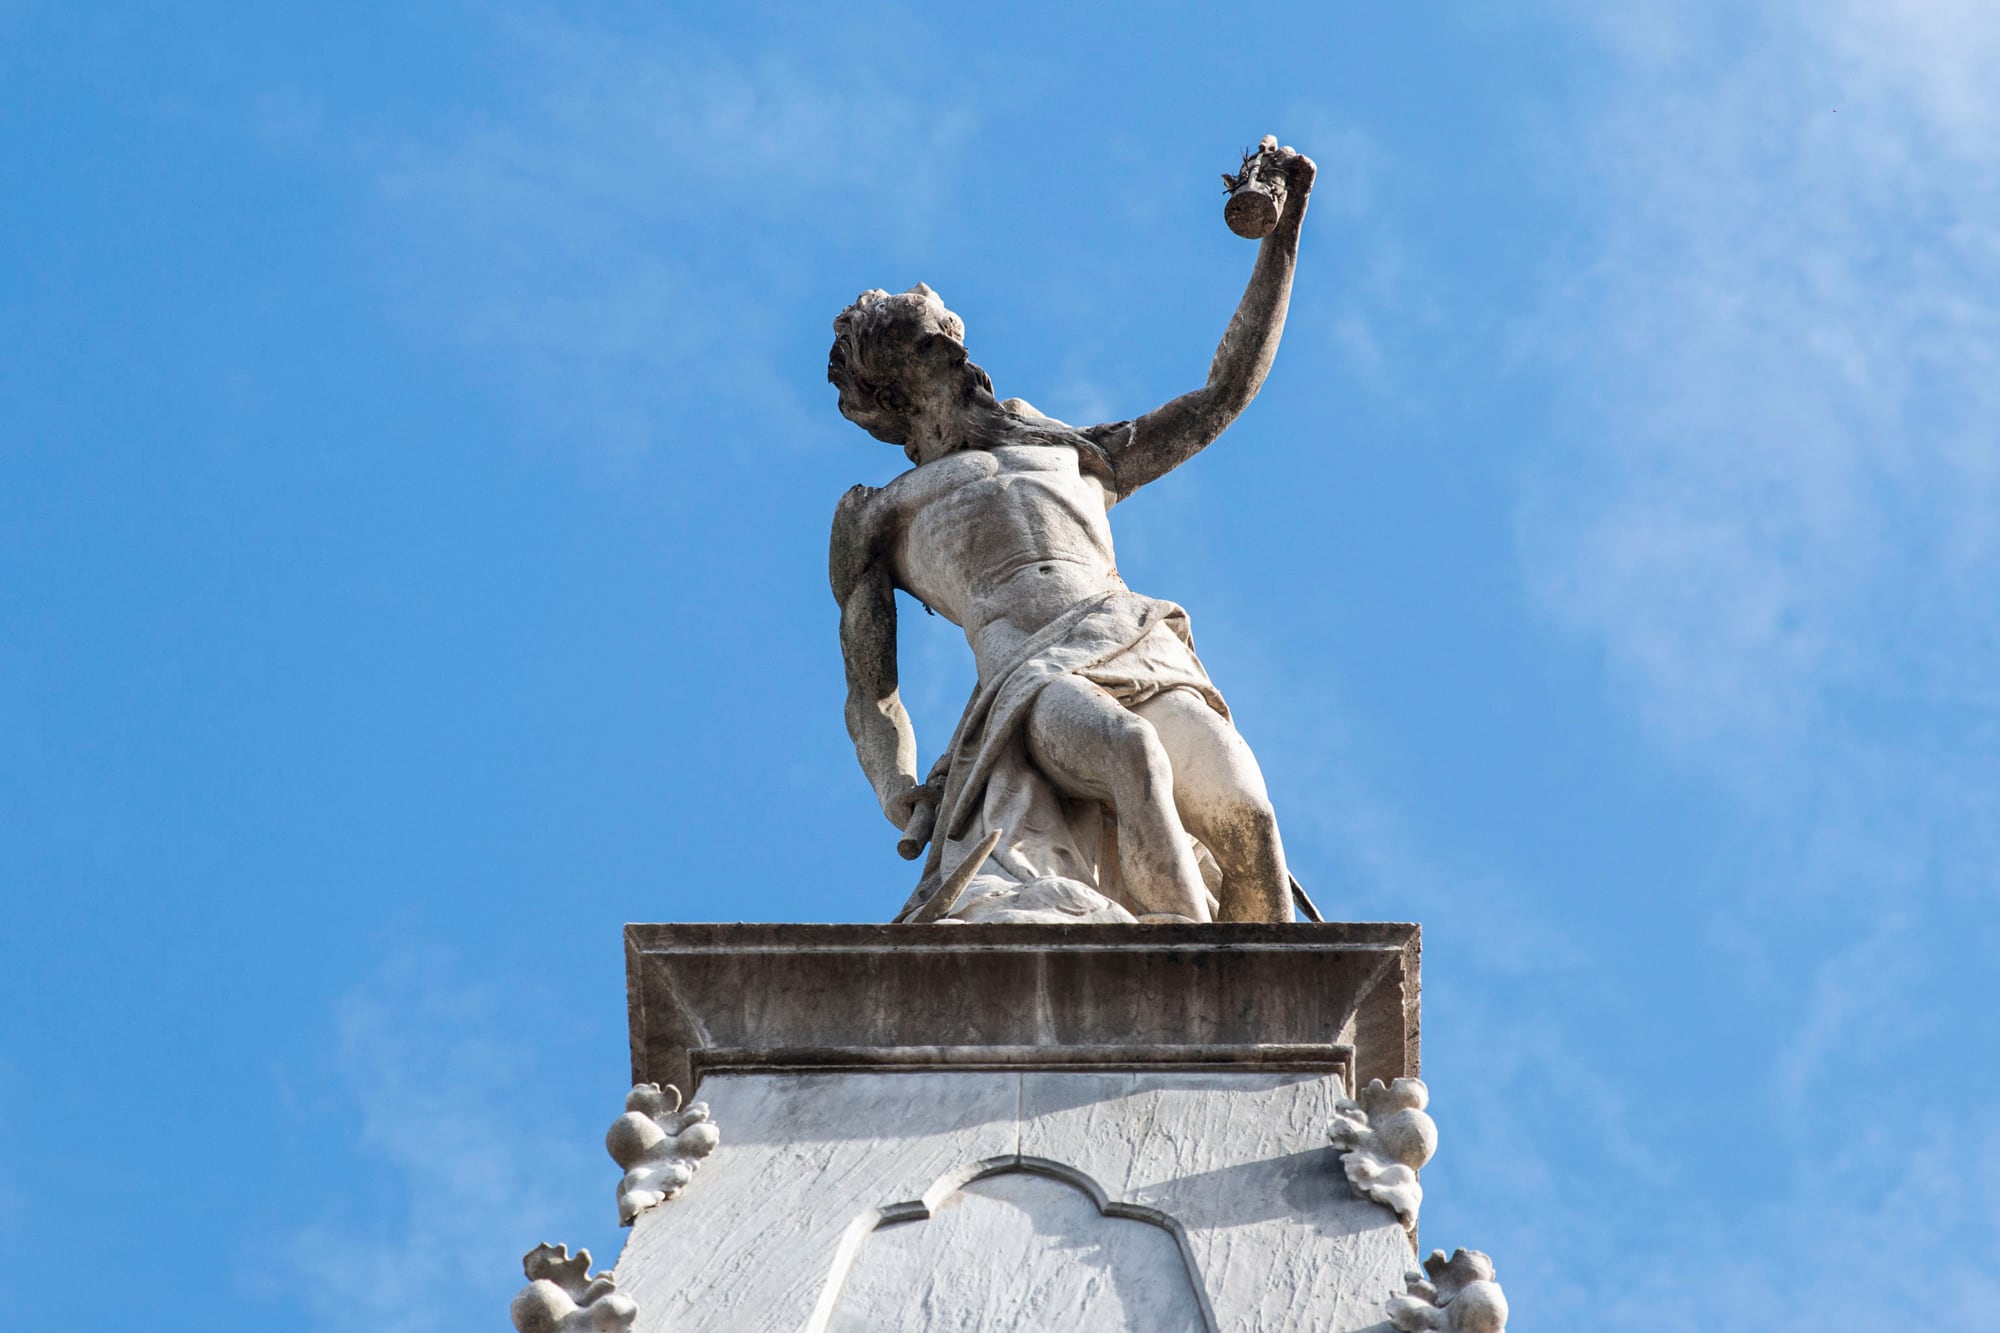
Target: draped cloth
x,y
1054,849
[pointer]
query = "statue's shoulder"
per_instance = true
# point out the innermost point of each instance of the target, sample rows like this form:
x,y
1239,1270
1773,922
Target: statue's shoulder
x,y
857,537
1110,436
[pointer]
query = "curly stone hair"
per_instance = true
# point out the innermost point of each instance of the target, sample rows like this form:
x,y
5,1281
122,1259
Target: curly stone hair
x,y
875,339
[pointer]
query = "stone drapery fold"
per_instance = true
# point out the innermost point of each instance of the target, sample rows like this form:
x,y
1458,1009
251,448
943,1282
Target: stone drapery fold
x,y
1135,648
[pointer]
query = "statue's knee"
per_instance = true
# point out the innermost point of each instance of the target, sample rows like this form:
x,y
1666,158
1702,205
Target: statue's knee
x,y
1253,820
1135,747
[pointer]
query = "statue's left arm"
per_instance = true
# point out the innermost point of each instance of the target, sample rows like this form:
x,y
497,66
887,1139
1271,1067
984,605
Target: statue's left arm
x,y
877,722
1160,441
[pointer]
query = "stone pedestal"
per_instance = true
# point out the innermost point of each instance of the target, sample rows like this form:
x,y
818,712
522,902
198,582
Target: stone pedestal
x,y
1019,1127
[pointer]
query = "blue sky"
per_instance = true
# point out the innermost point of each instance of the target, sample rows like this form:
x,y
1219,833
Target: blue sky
x,y
415,470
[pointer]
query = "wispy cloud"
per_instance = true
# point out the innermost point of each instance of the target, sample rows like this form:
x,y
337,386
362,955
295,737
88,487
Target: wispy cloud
x,y
1782,382
1381,298
481,1170
1774,507
628,230
1851,990
1894,1228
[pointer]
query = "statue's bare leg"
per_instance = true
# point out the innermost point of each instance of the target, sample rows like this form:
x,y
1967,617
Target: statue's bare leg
x,y
1219,793
1092,746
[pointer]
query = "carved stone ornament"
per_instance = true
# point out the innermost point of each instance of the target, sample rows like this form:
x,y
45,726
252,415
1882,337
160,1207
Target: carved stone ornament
x,y
564,1296
659,1145
1385,1139
1460,1296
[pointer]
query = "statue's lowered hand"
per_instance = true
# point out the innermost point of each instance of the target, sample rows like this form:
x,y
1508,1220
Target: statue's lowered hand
x,y
913,810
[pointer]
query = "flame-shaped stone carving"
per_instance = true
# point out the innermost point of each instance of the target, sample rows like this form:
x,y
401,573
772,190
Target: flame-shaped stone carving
x,y
1459,1296
1385,1139
564,1296
659,1145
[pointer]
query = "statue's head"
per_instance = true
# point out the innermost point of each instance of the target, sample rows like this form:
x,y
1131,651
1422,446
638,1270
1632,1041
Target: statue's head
x,y
900,362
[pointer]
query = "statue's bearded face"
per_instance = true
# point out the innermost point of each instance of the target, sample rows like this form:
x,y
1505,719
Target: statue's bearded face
x,y
900,362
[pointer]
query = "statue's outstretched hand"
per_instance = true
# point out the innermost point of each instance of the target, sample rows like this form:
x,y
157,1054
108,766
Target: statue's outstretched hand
x,y
1299,172
1270,190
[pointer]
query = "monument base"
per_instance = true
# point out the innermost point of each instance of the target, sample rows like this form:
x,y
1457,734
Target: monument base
x,y
1019,1127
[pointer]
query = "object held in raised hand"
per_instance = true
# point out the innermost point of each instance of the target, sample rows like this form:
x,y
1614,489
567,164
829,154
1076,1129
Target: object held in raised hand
x,y
1256,192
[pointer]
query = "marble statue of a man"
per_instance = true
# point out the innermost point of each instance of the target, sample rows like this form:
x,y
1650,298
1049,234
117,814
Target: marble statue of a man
x,y
1094,746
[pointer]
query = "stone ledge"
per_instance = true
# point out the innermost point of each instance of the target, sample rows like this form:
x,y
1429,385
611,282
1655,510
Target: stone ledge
x,y
1324,996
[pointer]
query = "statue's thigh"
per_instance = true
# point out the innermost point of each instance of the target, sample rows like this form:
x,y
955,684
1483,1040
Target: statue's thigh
x,y
1214,771
1088,743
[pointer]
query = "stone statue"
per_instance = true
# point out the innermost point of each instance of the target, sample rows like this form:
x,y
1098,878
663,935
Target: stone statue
x,y
1095,774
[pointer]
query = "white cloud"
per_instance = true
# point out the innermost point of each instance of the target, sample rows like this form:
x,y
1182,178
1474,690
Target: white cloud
x,y
1890,1230
1772,507
1855,990
631,228
1369,296
450,1100
1784,373
1885,1219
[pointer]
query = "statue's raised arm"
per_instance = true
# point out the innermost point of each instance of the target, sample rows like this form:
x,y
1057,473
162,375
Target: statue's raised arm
x,y
1164,438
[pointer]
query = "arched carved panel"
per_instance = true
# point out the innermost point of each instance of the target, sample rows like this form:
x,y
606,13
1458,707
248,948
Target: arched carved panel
x,y
1013,1245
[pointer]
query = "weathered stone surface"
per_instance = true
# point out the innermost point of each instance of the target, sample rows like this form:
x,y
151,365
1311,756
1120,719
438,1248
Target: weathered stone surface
x,y
811,1159
1298,997
946,1128
1095,750
888,1200
1237,1161
1032,1247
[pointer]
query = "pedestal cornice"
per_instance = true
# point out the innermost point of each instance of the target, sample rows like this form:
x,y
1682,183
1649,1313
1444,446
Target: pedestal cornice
x,y
1304,997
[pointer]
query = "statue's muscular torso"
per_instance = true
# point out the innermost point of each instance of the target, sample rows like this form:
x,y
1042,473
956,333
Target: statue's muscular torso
x,y
999,541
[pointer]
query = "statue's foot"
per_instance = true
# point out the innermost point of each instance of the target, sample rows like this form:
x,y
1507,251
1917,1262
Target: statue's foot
x,y
1166,919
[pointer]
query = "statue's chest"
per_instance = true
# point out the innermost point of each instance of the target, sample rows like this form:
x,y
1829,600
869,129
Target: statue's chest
x,y
998,497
